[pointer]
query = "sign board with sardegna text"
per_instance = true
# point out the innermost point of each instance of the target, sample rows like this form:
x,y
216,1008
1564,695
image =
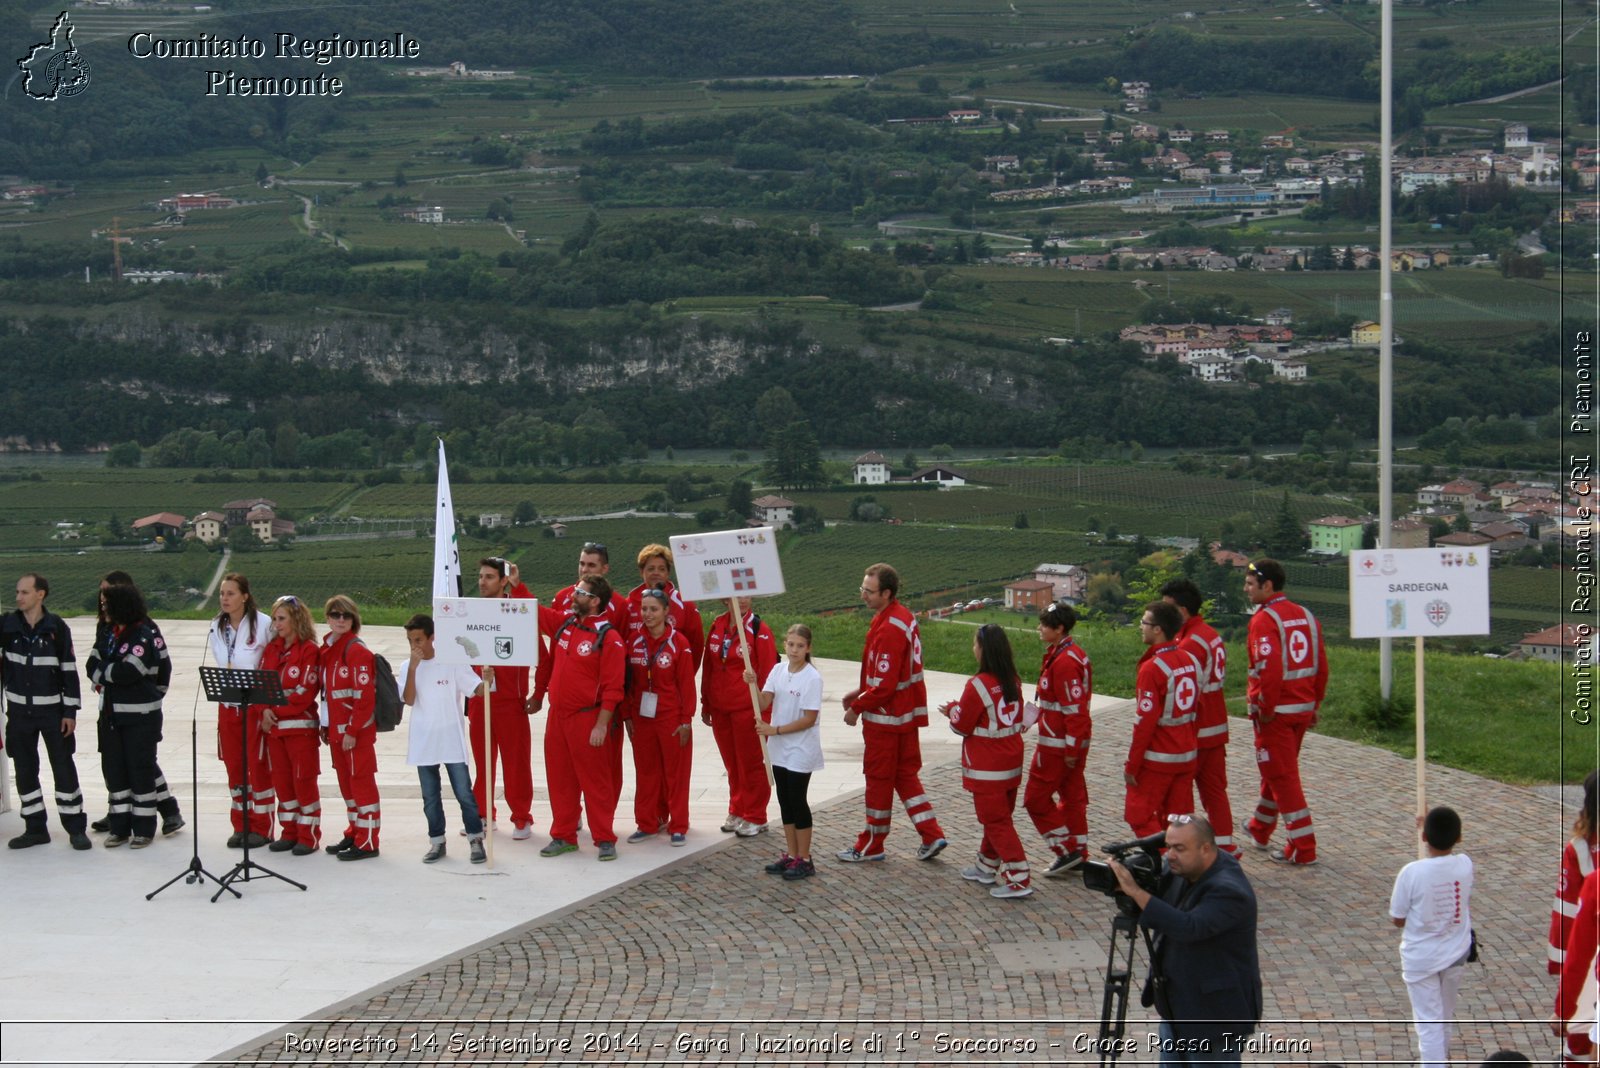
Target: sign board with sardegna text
x,y
1419,593
486,631
727,563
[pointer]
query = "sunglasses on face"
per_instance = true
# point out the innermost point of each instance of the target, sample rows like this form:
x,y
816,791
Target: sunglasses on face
x,y
337,614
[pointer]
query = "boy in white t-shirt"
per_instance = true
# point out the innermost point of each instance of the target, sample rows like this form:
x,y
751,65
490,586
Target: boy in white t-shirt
x,y
1431,904
438,735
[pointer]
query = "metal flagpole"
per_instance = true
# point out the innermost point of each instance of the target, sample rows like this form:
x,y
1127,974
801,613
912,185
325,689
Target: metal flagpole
x,y
1386,332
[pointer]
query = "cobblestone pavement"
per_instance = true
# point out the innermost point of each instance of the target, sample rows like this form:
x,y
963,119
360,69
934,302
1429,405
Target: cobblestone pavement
x,y
709,960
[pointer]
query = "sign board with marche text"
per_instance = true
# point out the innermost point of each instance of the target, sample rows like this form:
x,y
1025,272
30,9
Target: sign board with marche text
x,y
727,563
486,631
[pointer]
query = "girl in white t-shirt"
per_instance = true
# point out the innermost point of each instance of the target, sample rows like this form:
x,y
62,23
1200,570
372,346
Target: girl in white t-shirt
x,y
1432,905
792,697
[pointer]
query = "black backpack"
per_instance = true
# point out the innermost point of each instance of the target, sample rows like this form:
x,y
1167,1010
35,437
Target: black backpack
x,y
387,708
599,637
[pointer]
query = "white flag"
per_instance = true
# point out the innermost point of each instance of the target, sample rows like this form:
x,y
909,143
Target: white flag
x,y
446,554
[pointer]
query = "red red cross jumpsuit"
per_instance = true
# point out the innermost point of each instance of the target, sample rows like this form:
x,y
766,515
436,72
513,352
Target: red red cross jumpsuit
x,y
349,684
1161,757
1066,682
1577,864
683,615
662,703
1288,677
893,703
513,739
1211,771
586,674
1579,961
293,748
615,614
991,770
725,705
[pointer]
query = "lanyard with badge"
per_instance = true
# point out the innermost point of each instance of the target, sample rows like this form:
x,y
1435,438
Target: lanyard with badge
x,y
648,699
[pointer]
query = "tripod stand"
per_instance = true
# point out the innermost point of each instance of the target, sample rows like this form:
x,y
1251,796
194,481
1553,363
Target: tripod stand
x,y
1119,977
244,687
195,872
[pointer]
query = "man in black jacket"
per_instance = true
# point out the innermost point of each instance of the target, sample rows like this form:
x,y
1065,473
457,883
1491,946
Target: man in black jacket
x,y
40,679
1205,978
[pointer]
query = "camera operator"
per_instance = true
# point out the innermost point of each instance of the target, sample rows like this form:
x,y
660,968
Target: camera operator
x,y
1205,977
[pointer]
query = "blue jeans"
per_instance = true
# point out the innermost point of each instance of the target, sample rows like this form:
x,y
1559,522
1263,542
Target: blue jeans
x,y
1174,1056
433,804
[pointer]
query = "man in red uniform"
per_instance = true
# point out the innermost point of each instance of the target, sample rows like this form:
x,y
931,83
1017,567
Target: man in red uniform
x,y
511,704
725,707
1288,678
893,701
1161,758
1211,653
586,686
594,561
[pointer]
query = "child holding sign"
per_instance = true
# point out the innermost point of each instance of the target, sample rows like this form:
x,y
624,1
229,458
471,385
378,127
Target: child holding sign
x,y
792,696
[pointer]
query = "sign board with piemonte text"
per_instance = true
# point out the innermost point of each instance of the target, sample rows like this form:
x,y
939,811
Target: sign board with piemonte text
x,y
727,563
1419,593
486,631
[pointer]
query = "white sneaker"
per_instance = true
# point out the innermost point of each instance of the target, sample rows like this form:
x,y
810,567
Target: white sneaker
x,y
731,824
522,832
973,873
747,829
1007,890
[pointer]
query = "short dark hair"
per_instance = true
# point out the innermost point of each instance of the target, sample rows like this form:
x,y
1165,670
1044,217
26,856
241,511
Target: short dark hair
x,y
117,578
598,586
501,565
40,583
125,605
1269,570
1184,594
1506,1056
888,578
1165,616
421,621
596,548
1441,827
1059,614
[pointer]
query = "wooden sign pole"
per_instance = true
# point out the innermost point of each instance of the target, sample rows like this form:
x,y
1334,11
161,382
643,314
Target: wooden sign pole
x,y
755,692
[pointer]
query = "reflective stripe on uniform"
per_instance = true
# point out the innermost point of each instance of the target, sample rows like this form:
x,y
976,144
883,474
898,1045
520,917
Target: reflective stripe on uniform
x,y
1170,758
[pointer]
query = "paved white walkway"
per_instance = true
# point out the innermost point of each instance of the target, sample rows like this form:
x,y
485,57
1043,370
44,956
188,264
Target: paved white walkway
x,y
93,973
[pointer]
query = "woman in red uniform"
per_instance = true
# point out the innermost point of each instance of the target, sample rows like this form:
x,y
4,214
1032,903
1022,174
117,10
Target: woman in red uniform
x,y
1577,864
661,718
725,707
1056,798
349,688
292,743
989,718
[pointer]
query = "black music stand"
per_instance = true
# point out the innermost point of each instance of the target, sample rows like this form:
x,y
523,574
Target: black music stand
x,y
195,872
244,687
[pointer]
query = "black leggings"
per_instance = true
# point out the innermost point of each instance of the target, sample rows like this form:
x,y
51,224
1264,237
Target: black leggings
x,y
791,787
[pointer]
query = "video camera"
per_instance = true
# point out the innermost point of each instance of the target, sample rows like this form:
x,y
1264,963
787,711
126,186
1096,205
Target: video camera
x,y
1142,858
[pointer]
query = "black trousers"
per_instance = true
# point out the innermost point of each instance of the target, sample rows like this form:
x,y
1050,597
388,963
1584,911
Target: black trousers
x,y
166,804
129,761
790,786
24,731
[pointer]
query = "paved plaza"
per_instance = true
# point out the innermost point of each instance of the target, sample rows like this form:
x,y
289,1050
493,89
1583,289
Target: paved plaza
x,y
693,955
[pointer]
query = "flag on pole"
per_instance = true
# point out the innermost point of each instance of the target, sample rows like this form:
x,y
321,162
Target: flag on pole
x,y
446,554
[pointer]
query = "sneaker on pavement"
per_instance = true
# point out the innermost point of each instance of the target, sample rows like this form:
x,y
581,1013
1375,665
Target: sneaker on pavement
x,y
172,826
80,840
341,845
101,825
282,845
1280,856
114,840
750,830
1259,843
521,832
140,841
29,838
1008,890
855,856
779,866
973,873
800,869
608,851
358,854
236,840
640,836
929,850
479,854
680,839
731,824
303,849
1063,864
557,847
255,840
434,854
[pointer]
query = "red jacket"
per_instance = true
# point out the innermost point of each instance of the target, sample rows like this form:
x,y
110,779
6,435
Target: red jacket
x,y
685,617
1577,863
1165,702
349,681
586,669
893,696
1288,665
299,667
1580,949
663,666
991,729
722,687
1203,643
1066,682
